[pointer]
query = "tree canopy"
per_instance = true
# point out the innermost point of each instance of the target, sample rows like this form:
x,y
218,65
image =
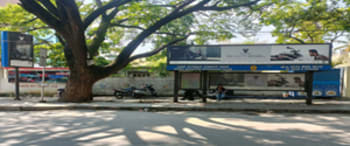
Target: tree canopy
x,y
309,21
90,30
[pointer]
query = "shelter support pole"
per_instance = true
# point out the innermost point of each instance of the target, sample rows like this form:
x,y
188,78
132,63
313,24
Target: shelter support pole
x,y
17,84
176,85
204,86
308,86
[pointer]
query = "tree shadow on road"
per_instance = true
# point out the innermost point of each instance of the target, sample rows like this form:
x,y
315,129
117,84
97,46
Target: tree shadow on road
x,y
170,128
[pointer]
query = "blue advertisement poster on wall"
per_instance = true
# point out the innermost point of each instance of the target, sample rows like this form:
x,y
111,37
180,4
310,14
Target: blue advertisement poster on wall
x,y
325,84
16,49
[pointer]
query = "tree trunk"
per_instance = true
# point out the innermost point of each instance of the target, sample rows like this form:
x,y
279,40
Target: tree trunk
x,y
78,88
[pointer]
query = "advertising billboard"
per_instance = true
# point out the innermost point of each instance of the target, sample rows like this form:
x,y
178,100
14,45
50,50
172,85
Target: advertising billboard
x,y
258,81
35,76
17,49
190,80
241,57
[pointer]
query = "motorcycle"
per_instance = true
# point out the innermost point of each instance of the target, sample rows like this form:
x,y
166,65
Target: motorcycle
x,y
120,93
292,55
147,90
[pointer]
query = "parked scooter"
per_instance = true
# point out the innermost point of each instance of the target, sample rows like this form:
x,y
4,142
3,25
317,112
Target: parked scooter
x,y
120,93
147,90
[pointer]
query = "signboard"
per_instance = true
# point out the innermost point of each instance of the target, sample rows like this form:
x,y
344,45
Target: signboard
x,y
29,75
43,55
325,84
298,57
255,81
17,49
190,80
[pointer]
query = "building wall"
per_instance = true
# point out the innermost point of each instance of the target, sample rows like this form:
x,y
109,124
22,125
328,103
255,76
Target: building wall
x,y
346,82
163,86
28,88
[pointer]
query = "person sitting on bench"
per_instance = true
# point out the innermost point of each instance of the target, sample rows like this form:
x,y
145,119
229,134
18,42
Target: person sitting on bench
x,y
220,92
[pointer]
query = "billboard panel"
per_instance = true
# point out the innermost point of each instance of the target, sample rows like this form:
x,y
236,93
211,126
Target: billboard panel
x,y
300,54
277,56
17,49
35,76
255,81
190,80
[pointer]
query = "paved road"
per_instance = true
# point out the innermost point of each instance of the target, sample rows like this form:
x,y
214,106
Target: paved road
x,y
105,128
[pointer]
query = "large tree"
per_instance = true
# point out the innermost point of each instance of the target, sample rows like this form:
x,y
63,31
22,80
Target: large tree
x,y
84,29
308,21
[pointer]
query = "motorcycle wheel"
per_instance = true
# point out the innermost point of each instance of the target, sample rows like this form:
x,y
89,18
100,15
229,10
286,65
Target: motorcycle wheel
x,y
118,95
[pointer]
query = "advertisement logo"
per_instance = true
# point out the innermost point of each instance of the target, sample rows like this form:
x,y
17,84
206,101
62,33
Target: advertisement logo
x,y
331,93
245,50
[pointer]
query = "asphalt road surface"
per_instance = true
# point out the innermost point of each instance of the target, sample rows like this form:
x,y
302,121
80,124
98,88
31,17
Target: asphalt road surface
x,y
93,128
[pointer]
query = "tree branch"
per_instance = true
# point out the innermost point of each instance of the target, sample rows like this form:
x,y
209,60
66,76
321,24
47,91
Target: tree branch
x,y
44,41
95,14
114,69
129,49
32,6
336,36
184,4
70,11
101,32
37,28
295,38
50,7
29,21
217,8
60,39
127,26
155,51
141,28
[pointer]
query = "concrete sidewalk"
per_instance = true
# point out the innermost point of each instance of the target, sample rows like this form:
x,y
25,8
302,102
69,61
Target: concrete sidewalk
x,y
166,104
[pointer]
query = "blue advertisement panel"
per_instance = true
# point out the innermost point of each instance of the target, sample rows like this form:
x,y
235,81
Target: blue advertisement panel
x,y
35,76
325,84
17,49
247,67
4,49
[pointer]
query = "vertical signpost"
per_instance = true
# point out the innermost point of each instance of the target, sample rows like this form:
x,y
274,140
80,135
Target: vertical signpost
x,y
43,55
17,84
176,86
16,51
308,87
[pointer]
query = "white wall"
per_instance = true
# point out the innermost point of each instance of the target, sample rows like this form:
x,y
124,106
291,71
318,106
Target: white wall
x,y
28,88
163,86
346,83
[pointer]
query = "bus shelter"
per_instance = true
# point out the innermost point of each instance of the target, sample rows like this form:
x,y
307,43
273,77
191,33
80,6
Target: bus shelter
x,y
260,67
